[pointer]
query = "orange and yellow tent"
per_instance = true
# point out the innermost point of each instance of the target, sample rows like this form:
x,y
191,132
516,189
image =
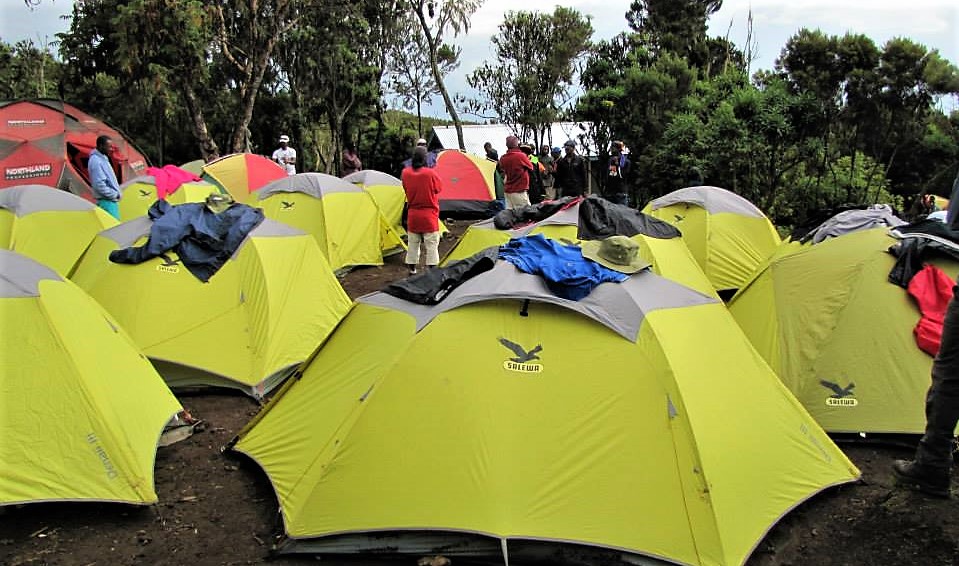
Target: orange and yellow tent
x,y
468,185
242,173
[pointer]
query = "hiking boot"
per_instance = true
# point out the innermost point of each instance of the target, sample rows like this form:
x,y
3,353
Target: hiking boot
x,y
913,475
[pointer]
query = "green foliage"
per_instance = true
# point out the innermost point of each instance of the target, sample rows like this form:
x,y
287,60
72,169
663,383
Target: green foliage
x,y
839,119
635,105
529,81
26,71
336,81
676,26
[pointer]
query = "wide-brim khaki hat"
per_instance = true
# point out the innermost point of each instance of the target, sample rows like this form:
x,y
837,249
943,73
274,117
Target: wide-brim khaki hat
x,y
619,253
218,202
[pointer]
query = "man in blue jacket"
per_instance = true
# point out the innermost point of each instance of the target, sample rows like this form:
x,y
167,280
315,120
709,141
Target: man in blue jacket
x,y
103,180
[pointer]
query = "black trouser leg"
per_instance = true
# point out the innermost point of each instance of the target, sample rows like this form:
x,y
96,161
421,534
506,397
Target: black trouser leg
x,y
942,400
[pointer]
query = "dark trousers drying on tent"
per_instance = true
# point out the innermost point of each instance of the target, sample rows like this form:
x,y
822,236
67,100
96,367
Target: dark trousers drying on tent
x,y
942,400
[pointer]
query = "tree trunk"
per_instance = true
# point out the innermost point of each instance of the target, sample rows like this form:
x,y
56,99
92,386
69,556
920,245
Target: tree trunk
x,y
161,124
380,126
431,42
446,99
240,129
419,118
208,148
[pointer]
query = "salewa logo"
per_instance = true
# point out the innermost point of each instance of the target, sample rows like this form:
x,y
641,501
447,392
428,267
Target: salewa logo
x,y
145,193
286,205
523,360
28,171
841,396
168,265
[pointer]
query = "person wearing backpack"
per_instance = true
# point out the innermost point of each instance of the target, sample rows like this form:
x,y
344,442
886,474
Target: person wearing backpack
x,y
617,173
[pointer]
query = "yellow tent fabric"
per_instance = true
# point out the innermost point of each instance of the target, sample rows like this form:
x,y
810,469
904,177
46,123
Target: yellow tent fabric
x,y
827,313
81,409
386,190
668,257
638,419
51,226
344,219
195,166
139,194
258,317
727,234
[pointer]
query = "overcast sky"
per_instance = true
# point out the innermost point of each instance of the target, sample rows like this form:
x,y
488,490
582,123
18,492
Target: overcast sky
x,y
933,23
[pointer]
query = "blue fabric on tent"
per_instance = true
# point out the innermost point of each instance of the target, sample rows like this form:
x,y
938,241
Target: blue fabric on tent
x,y
203,239
567,273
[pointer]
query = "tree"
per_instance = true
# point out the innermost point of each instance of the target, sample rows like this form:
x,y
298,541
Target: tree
x,y
436,18
678,26
867,101
536,55
408,72
632,98
26,71
246,34
144,44
336,81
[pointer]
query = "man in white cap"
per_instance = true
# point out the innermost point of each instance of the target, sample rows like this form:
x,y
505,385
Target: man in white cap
x,y
286,155
430,155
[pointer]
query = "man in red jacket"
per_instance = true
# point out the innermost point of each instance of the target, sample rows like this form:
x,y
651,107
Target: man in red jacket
x,y
422,186
516,168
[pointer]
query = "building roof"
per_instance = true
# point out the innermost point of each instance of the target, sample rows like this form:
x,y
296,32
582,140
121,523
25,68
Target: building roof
x,y
474,136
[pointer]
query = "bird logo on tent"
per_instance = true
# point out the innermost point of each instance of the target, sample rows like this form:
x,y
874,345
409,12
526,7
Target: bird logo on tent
x,y
841,396
679,218
523,360
168,265
144,193
286,205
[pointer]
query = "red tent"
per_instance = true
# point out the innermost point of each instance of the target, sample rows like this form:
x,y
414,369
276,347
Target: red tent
x,y
468,185
48,142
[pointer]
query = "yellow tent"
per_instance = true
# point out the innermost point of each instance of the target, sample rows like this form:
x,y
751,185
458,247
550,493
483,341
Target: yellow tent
x,y
668,257
387,191
81,409
344,219
140,193
51,226
638,419
258,317
195,166
726,233
825,315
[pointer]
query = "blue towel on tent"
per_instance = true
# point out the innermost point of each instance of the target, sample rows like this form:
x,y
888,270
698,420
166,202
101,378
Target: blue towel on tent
x,y
566,272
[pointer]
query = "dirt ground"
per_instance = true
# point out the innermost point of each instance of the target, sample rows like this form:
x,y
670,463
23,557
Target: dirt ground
x,y
217,508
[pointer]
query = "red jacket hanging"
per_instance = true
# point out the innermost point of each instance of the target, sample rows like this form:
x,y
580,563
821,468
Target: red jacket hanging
x,y
932,289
